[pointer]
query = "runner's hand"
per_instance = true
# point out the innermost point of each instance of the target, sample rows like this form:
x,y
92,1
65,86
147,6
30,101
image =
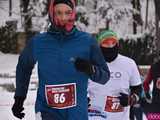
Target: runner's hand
x,y
18,107
124,99
84,66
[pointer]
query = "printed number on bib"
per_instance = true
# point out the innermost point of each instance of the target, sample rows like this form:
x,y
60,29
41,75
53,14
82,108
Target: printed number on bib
x,y
113,105
61,96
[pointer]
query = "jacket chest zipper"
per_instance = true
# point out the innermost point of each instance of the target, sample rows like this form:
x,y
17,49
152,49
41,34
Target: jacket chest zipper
x,y
60,52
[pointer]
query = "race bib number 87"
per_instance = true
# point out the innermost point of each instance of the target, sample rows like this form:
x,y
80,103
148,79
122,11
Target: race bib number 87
x,y
61,96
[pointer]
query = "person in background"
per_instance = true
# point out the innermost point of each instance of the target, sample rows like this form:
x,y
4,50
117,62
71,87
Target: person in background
x,y
136,111
112,101
153,75
66,58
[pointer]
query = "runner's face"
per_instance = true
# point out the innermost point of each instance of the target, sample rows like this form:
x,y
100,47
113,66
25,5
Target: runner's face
x,y
63,13
109,43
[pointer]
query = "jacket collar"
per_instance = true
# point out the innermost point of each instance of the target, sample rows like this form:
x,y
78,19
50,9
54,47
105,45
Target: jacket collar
x,y
54,30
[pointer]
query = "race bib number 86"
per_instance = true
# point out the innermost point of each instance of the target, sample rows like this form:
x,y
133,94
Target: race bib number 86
x,y
61,96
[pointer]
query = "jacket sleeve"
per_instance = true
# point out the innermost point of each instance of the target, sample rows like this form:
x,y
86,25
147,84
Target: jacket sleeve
x,y
24,70
148,80
101,74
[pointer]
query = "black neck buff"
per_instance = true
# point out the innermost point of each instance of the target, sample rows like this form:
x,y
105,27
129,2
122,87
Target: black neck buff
x,y
110,53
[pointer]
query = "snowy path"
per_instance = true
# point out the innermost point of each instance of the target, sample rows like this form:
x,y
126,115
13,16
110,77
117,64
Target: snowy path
x,y
6,101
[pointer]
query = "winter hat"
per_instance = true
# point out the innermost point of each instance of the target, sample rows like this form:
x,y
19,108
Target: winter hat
x,y
67,2
107,39
54,21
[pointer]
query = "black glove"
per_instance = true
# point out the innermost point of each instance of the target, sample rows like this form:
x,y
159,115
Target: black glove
x,y
84,66
126,100
18,107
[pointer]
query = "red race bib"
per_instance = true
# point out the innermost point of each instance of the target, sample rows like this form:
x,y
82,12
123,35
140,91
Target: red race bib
x,y
61,96
113,105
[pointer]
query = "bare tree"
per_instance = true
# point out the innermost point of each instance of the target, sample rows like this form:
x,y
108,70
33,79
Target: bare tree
x,y
136,15
30,9
146,20
157,19
27,19
10,7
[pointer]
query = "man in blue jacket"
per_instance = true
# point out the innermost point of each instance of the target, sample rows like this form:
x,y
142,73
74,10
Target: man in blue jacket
x,y
66,59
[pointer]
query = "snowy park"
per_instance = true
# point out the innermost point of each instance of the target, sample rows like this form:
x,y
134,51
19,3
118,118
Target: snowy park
x,y
135,22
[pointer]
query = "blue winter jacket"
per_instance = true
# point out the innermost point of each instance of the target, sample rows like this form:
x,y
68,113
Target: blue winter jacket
x,y
55,53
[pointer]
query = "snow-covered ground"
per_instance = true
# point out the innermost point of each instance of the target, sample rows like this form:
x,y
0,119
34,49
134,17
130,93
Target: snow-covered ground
x,y
6,101
7,77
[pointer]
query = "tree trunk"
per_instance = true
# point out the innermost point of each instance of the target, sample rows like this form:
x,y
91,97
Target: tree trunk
x,y
146,21
10,7
27,18
136,15
134,22
157,19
